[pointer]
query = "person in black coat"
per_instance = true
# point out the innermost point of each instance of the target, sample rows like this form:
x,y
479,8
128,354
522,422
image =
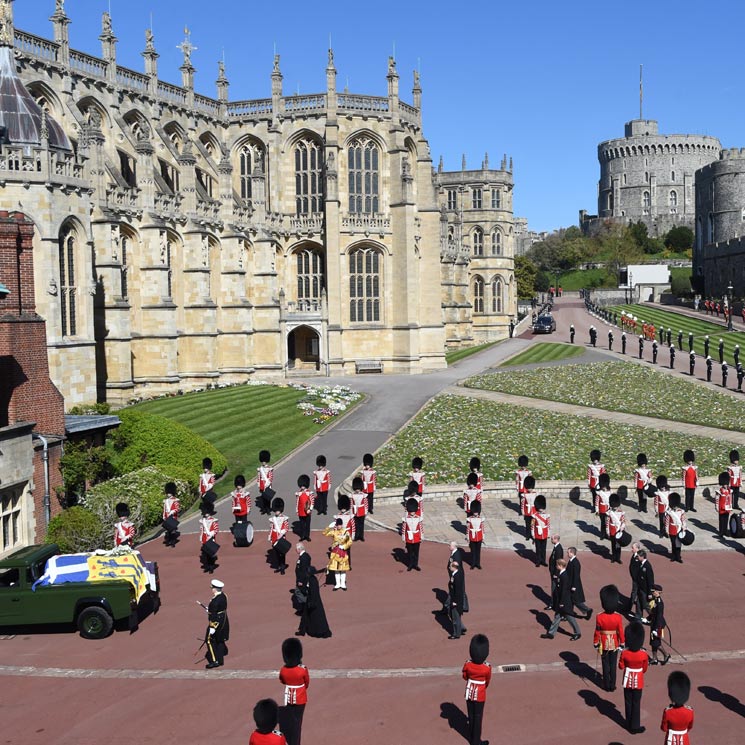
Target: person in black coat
x,y
574,570
557,552
218,626
645,581
634,566
561,603
657,626
456,554
457,592
313,616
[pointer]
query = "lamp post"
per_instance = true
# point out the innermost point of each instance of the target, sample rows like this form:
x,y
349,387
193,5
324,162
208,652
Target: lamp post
x,y
729,307
631,288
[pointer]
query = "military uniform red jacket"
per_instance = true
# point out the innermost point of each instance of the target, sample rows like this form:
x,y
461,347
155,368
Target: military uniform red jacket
x,y
616,522
475,528
477,679
634,665
541,526
527,498
643,476
723,499
609,631
359,503
303,503
593,474
675,522
735,476
206,481
272,738
278,527
369,477
602,501
296,681
322,479
411,529
171,507
471,495
347,523
690,476
208,528
520,475
264,477
418,476
480,480
124,532
677,721
241,500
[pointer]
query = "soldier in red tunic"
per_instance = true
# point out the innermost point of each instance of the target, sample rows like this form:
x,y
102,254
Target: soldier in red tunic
x,y
735,477
304,506
294,675
661,502
264,478
475,529
541,529
124,529
616,527
675,526
634,662
472,494
609,636
527,505
171,508
477,674
417,474
475,467
411,534
723,498
369,477
602,503
358,500
208,530
322,485
521,474
594,469
690,479
677,719
279,526
265,716
643,478
206,478
241,499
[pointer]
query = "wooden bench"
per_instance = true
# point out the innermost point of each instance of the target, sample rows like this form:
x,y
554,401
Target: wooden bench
x,y
368,366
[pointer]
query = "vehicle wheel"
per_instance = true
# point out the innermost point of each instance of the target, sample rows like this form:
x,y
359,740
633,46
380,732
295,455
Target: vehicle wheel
x,y
94,623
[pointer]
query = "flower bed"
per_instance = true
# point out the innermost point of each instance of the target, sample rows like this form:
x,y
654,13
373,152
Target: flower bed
x,y
625,387
452,429
325,402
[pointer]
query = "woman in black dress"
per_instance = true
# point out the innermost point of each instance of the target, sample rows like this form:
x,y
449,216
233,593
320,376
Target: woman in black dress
x,y
313,620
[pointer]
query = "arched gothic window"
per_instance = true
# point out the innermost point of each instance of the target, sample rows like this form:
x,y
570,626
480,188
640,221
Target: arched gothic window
x,y
364,285
68,289
478,295
496,243
310,278
478,242
496,295
308,177
125,255
673,201
364,175
246,168
710,230
646,201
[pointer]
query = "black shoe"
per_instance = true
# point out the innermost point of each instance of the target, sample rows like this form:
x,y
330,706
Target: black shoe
x,y
299,633
589,614
638,730
653,661
344,588
409,569
337,588
212,665
480,567
417,569
693,509
547,636
574,637
547,607
665,660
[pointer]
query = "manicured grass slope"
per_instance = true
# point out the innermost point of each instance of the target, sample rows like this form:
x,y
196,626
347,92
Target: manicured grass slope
x,y
452,429
459,354
544,352
625,387
241,421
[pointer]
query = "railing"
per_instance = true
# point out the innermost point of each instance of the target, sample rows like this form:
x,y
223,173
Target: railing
x,y
207,105
409,112
35,46
18,160
354,102
304,306
167,203
66,165
242,212
130,79
316,102
84,63
249,108
116,196
373,223
209,210
307,223
172,93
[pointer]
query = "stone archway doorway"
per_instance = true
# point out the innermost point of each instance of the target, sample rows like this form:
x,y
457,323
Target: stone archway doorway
x,y
304,349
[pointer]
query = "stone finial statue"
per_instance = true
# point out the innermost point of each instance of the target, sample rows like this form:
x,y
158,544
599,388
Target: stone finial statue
x,y
331,162
221,70
106,23
149,40
94,118
391,66
186,47
276,63
6,23
331,57
405,167
417,81
59,7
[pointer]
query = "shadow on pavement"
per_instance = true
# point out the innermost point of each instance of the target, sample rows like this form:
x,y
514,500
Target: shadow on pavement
x,y
648,527
399,555
545,620
725,699
579,668
655,548
604,707
456,718
586,527
599,549
539,594
701,525
459,526
516,528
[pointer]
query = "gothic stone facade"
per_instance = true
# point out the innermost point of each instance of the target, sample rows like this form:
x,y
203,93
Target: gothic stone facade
x,y
187,240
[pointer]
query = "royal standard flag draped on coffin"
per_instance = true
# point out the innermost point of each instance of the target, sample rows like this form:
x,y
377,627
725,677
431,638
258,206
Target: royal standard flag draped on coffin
x,y
98,567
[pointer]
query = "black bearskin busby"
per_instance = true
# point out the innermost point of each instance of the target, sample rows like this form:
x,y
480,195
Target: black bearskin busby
x,y
540,502
413,487
475,507
368,460
674,501
207,463
474,464
343,503
641,459
734,456
170,489
609,598
724,479
472,479
523,461
209,496
265,715
478,649
292,651
412,505
689,456
417,463
207,508
303,481
239,481
634,636
604,481
529,482
278,504
661,482
264,456
594,455
678,687
122,509
321,461
614,500
357,483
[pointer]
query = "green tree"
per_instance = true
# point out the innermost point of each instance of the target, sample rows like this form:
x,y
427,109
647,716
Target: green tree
x,y
82,465
679,238
525,273
542,281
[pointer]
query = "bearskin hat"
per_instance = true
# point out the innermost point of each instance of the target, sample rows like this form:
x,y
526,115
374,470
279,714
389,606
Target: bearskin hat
x,y
734,455
207,463
689,456
239,480
634,636
474,464
170,489
343,502
368,460
472,479
661,482
264,456
265,715
122,509
523,461
321,461
292,651
674,500
614,500
529,482
207,508
475,507
650,490
724,478
478,649
417,462
540,502
413,487
357,483
594,455
338,522
604,481
278,504
412,505
609,598
641,459
678,687
303,481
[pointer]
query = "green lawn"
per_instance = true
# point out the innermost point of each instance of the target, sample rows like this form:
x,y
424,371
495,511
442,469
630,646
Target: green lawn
x,y
459,354
544,352
452,429
583,278
625,387
240,421
699,327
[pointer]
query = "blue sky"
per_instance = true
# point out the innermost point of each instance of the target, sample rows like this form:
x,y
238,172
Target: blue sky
x,y
543,82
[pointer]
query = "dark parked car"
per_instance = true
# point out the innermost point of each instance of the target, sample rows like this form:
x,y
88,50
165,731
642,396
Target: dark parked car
x,y
544,324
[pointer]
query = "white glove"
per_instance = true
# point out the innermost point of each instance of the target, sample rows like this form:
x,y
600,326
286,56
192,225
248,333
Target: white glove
x,y
654,634
212,631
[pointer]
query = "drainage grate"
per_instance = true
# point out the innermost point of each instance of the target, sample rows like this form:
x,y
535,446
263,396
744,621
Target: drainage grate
x,y
7,637
511,668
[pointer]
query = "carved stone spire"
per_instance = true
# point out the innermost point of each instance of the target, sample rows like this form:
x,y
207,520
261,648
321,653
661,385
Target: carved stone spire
x,y
107,38
187,69
440,165
486,161
463,163
7,36
222,82
150,55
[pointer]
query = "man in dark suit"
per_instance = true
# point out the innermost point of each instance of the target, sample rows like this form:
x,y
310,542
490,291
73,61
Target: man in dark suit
x,y
574,570
644,583
302,567
561,603
634,565
457,592
456,554
557,552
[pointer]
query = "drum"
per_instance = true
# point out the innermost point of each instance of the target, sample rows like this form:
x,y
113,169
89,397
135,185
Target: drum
x,y
737,524
625,539
170,524
282,546
243,534
687,537
210,548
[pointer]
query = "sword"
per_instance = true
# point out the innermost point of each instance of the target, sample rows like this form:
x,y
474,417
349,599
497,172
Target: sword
x,y
674,650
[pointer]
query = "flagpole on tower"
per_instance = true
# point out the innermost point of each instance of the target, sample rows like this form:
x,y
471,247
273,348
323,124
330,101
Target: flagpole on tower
x,y
641,91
